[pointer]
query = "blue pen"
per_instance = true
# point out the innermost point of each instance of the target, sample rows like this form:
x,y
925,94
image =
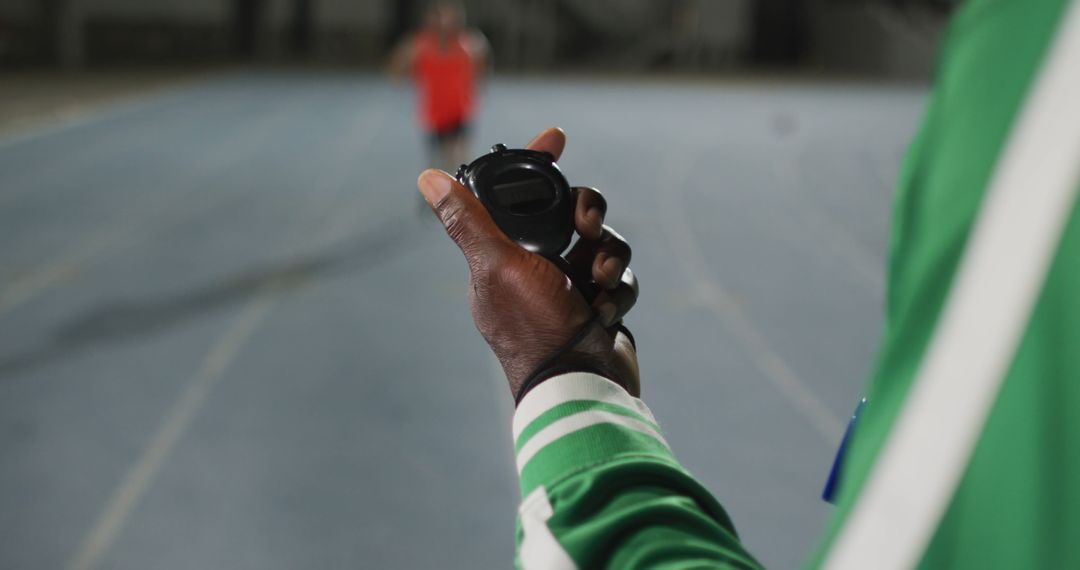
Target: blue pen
x,y
831,485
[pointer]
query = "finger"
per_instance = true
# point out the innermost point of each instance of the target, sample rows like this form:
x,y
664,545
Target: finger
x,y
590,207
612,305
605,259
551,141
466,220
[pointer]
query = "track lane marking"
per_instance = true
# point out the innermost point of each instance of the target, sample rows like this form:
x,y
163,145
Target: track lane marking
x,y
125,498
687,252
139,477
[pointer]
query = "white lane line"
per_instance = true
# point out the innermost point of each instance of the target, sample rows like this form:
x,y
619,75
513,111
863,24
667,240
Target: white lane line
x,y
124,500
101,536
673,176
865,265
870,268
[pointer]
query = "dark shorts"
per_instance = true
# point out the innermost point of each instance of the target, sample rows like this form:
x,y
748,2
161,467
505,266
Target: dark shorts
x,y
453,131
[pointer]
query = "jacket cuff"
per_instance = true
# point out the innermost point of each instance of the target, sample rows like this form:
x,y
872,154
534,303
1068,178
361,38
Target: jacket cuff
x,y
577,421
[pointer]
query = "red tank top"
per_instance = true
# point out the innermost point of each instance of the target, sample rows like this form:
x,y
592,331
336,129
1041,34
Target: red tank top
x,y
444,79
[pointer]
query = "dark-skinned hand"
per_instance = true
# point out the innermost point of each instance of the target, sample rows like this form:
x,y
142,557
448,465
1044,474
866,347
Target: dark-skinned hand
x,y
524,306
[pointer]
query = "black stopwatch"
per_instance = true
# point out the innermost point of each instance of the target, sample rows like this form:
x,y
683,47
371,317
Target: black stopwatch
x,y
527,196
530,200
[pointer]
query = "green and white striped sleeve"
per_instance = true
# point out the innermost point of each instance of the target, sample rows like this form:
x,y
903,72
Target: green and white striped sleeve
x,y
601,487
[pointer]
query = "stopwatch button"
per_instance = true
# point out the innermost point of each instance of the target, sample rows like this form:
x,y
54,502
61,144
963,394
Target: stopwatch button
x,y
498,148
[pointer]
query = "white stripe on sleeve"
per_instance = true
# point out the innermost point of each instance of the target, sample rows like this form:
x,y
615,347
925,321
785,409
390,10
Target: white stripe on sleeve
x,y
570,387
580,421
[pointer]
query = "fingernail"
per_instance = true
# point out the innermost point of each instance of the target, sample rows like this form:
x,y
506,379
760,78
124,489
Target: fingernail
x,y
434,185
546,131
607,313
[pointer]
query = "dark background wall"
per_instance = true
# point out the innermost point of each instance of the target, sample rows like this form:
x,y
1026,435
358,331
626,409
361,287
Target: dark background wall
x,y
884,37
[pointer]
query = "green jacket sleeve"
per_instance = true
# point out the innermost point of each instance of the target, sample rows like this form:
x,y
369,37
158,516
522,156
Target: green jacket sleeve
x,y
602,489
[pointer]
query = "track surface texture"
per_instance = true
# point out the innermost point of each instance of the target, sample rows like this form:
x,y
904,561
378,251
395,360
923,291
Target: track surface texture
x,y
231,338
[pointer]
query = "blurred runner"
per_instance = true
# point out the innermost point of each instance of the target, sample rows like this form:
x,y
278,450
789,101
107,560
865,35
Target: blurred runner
x,y
444,59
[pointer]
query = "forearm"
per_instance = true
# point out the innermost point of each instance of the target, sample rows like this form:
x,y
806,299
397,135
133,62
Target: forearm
x,y
602,488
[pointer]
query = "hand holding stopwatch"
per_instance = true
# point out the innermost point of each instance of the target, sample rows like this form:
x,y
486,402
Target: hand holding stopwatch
x,y
512,213
533,204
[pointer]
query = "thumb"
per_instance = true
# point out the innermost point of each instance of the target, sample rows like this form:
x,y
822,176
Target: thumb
x,y
466,220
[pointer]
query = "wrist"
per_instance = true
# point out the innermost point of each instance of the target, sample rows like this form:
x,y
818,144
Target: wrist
x,y
593,349
567,364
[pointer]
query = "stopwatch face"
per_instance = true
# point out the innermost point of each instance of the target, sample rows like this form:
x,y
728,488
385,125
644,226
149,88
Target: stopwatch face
x,y
523,192
527,196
